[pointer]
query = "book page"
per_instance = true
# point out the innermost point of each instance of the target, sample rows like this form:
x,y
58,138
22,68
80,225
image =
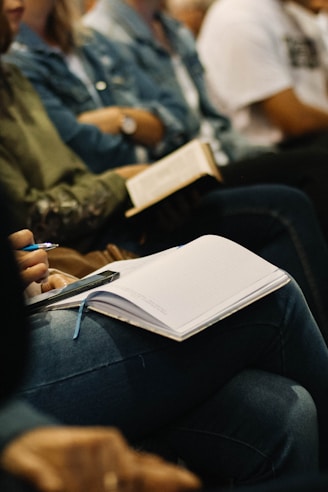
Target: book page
x,y
182,166
199,279
191,286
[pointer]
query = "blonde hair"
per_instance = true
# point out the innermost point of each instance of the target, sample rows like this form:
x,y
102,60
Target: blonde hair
x,y
64,26
188,4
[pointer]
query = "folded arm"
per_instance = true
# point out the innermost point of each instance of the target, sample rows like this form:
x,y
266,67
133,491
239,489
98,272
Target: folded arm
x,y
293,116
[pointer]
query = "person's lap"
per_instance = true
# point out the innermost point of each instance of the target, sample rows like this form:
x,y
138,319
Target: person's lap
x,y
277,222
115,374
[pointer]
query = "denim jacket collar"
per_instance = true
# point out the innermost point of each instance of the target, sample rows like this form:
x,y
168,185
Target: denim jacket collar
x,y
26,36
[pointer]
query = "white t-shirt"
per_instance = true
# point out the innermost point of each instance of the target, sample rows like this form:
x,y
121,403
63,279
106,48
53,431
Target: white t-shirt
x,y
206,131
253,49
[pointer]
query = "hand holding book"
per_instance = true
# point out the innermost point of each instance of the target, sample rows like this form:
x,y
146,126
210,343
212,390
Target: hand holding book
x,y
182,171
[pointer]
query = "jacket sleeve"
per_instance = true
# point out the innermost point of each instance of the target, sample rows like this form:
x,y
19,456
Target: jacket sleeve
x,y
99,150
17,417
71,208
163,102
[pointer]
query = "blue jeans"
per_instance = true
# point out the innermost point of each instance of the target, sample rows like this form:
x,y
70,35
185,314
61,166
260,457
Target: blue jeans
x,y
233,401
275,221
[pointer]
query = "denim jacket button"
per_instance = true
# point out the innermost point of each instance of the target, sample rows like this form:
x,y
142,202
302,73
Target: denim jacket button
x,y
101,85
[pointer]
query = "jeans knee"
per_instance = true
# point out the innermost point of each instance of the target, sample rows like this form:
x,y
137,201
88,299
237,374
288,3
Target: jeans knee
x,y
282,420
299,445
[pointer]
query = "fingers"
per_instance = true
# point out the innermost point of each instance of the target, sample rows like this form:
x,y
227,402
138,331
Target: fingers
x,y
155,475
19,461
21,238
127,172
77,459
57,281
33,266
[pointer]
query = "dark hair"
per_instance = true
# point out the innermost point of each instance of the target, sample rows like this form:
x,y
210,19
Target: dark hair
x,y
5,40
5,32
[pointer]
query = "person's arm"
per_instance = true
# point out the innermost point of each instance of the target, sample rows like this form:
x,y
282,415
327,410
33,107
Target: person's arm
x,y
262,77
69,208
93,133
34,266
149,128
33,446
319,4
98,459
292,116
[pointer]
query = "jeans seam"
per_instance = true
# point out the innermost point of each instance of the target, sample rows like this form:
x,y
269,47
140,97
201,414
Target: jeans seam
x,y
234,440
82,373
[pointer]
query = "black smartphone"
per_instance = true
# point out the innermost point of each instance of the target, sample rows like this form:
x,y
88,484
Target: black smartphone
x,y
36,303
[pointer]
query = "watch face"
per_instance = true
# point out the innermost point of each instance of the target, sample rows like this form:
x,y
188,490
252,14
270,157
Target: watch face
x,y
128,125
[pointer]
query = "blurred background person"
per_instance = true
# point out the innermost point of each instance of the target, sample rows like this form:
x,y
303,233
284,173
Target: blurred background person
x,y
189,12
268,66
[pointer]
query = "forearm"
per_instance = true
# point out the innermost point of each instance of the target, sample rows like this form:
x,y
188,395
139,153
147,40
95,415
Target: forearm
x,y
17,417
72,212
307,120
294,117
150,129
149,132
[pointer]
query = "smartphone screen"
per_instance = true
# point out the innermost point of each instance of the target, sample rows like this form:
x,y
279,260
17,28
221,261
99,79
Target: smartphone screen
x,y
43,300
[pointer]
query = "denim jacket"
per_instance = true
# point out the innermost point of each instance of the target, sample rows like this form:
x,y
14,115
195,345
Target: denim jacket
x,y
118,82
118,21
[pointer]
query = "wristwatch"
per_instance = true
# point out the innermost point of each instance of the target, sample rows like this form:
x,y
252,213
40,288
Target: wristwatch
x,y
128,125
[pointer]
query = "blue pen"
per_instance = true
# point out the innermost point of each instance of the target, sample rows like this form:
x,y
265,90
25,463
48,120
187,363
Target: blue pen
x,y
46,246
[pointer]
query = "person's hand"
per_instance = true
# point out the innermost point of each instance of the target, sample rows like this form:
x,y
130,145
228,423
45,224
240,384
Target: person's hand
x,y
57,280
149,127
127,172
76,459
33,265
107,119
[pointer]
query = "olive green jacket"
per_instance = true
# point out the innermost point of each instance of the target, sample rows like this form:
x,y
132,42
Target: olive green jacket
x,y
54,193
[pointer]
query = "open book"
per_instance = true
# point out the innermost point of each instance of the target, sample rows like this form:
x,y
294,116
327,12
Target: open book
x,y
183,290
176,171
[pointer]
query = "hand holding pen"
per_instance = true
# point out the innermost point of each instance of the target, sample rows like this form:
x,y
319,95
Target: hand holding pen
x,y
32,259
33,264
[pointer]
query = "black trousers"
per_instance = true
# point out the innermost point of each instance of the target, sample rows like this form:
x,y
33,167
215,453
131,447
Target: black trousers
x,y
304,166
305,483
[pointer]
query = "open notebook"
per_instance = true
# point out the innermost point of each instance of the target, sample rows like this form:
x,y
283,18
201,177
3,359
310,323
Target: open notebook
x,y
183,290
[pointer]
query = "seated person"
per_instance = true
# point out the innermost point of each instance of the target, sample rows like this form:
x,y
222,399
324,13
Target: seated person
x,y
166,51
62,201
270,71
35,446
84,112
103,106
118,375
